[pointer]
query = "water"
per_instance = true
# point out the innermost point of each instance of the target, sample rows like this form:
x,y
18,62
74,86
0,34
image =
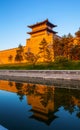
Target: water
x,y
25,106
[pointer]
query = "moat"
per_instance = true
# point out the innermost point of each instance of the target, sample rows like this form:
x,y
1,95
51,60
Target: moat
x,y
27,106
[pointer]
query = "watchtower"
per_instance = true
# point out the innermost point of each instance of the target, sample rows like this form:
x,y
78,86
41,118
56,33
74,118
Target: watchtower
x,y
39,31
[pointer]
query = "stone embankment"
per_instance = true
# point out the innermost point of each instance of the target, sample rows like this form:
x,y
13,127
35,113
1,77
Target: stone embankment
x,y
45,74
42,76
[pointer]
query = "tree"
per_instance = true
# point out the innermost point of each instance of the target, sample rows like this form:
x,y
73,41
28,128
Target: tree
x,y
42,48
57,47
19,53
77,33
61,61
10,58
49,54
63,46
75,52
77,38
45,51
68,43
31,57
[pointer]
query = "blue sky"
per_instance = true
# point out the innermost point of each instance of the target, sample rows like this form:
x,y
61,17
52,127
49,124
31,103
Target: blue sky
x,y
15,15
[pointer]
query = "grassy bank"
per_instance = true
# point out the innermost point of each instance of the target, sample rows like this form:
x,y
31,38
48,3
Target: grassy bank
x,y
73,65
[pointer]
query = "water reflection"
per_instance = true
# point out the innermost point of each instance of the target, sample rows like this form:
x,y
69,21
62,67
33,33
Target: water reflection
x,y
47,104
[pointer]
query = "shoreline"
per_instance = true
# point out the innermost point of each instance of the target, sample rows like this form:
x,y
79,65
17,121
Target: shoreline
x,y
48,77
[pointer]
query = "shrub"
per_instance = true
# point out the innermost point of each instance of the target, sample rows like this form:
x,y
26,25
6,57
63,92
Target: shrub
x,y
61,61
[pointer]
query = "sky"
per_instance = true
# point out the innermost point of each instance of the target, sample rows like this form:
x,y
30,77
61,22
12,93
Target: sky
x,y
16,15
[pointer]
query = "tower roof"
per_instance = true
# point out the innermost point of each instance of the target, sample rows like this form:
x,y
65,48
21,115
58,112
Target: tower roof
x,y
42,30
40,23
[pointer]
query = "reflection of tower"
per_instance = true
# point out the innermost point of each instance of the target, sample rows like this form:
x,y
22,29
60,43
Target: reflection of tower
x,y
42,107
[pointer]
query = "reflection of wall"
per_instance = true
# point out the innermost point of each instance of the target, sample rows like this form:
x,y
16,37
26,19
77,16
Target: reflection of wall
x,y
34,99
7,86
39,91
45,100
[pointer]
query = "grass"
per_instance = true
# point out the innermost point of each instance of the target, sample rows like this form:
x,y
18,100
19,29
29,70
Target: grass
x,y
72,65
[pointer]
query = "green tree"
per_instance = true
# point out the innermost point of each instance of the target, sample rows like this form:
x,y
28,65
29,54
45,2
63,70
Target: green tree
x,y
31,57
63,46
68,43
61,61
77,33
75,52
77,38
49,54
42,48
10,58
57,47
45,51
19,53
